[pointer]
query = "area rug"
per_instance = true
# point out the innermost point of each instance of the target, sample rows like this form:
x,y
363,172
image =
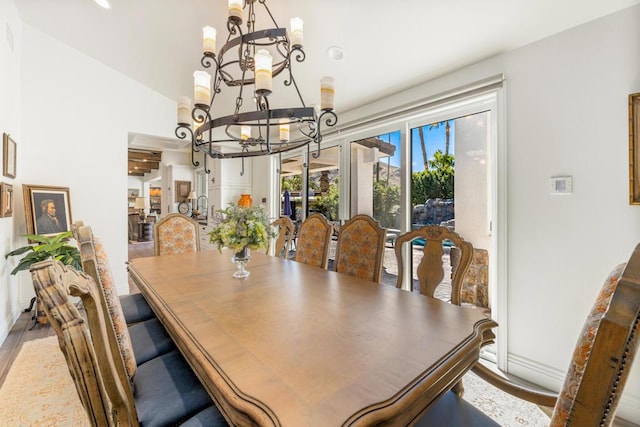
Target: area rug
x,y
39,391
505,409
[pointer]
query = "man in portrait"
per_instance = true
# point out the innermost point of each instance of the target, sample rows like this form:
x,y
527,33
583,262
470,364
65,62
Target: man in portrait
x,y
48,222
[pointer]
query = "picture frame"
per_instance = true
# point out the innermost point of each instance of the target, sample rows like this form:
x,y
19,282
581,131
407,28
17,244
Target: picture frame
x,y
181,191
634,149
38,201
8,156
132,193
6,200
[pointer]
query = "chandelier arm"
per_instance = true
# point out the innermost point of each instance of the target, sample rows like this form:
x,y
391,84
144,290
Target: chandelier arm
x,y
239,71
330,120
182,131
268,136
263,2
204,157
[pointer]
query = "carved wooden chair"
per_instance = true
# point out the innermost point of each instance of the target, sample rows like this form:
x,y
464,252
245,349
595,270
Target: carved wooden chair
x,y
138,342
598,371
314,237
134,307
430,271
164,391
360,248
285,235
176,234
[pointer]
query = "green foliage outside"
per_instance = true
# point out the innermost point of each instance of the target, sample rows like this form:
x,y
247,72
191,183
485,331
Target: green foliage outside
x,y
386,204
49,246
292,183
327,204
436,182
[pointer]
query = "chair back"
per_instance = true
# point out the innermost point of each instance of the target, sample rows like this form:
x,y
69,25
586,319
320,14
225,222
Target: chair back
x,y
285,235
97,370
314,237
360,248
604,352
95,263
176,234
430,270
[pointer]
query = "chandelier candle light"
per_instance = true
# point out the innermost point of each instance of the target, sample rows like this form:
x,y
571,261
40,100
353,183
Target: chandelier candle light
x,y
250,60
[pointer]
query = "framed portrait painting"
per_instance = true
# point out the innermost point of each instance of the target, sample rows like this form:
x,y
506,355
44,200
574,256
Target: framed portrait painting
x,y
47,209
634,149
8,156
6,199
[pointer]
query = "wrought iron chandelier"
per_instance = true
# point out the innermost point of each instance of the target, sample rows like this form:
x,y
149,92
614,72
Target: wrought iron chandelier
x,y
249,61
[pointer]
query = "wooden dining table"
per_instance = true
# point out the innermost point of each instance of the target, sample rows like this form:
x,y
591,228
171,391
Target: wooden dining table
x,y
295,345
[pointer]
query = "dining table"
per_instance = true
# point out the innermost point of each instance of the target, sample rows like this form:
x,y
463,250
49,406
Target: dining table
x,y
296,345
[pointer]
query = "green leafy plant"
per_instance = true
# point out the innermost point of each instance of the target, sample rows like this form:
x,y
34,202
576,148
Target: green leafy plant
x,y
48,247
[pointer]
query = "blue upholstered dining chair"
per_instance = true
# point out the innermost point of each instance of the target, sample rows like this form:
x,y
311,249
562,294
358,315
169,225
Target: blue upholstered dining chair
x,y
134,307
138,342
164,390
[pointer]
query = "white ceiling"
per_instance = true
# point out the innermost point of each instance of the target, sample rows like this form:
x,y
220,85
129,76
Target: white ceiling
x,y
388,45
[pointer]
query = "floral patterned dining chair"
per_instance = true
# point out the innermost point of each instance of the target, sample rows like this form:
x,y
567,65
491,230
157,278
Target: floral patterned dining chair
x,y
314,237
360,248
176,234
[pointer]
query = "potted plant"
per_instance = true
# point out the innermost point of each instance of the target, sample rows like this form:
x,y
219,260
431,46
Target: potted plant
x,y
47,247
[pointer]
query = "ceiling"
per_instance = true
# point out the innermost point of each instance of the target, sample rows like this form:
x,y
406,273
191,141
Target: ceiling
x,y
388,46
141,162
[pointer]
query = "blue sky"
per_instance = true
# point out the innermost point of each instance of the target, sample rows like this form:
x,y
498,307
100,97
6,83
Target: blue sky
x,y
434,140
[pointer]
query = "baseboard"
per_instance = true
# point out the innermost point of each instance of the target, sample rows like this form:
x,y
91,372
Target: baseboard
x,y
8,323
553,379
535,372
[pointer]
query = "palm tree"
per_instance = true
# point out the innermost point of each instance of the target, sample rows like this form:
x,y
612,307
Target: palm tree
x,y
424,148
447,134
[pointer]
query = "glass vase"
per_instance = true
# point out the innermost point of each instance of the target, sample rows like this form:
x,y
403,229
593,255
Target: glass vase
x,y
240,259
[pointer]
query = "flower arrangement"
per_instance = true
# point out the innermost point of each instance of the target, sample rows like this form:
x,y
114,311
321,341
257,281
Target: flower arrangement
x,y
240,227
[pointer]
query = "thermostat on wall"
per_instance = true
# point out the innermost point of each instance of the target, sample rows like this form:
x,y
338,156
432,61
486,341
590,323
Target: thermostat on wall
x,y
561,185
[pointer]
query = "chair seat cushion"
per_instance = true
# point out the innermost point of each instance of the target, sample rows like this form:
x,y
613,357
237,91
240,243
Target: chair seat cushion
x,y
149,339
209,417
167,392
452,411
135,308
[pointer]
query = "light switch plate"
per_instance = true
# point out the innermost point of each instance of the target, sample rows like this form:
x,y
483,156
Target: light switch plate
x,y
561,185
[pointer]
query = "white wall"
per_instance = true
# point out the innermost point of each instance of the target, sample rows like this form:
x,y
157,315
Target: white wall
x,y
84,112
566,115
10,120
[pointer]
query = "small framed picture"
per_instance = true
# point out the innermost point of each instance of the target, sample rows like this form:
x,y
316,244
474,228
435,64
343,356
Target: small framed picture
x,y
6,199
182,190
8,156
634,149
47,209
